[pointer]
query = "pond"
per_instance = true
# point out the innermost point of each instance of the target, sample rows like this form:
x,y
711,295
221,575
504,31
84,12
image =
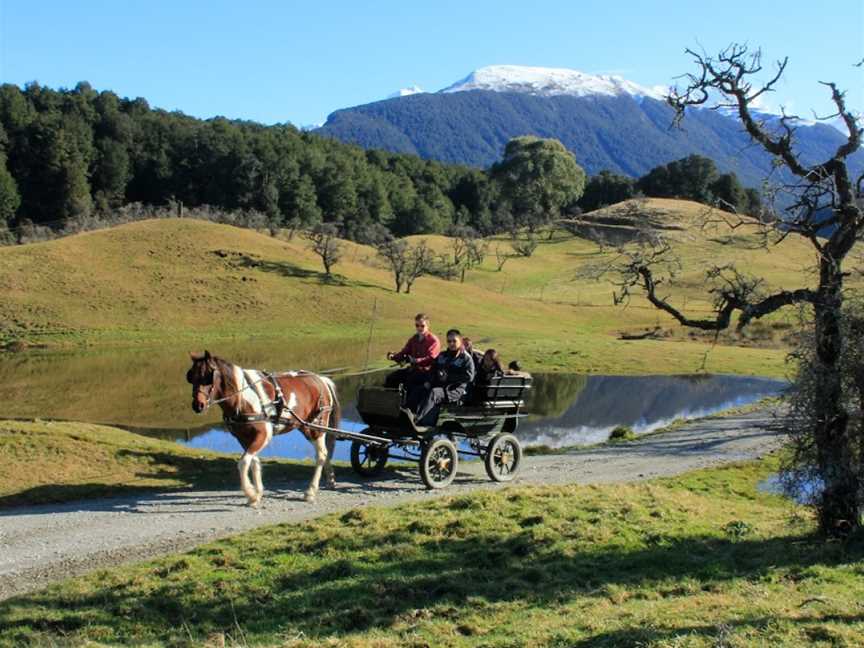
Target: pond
x,y
145,391
804,490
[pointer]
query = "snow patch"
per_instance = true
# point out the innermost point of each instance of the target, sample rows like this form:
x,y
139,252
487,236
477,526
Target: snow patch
x,y
406,92
547,82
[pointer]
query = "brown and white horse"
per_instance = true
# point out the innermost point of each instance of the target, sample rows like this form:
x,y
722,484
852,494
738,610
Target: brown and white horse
x,y
256,406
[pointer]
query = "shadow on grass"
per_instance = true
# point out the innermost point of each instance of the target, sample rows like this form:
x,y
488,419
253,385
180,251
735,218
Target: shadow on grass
x,y
285,269
373,580
154,472
718,633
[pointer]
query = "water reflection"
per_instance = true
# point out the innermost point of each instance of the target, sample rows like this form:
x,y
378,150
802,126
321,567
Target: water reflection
x,y
565,409
145,390
144,387
581,410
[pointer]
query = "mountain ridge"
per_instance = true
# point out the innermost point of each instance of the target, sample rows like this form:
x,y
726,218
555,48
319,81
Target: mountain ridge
x,y
606,121
603,132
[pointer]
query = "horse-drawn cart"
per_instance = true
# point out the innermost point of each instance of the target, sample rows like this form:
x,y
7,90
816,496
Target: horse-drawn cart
x,y
481,427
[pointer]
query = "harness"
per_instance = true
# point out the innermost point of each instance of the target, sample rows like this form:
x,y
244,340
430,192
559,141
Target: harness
x,y
280,413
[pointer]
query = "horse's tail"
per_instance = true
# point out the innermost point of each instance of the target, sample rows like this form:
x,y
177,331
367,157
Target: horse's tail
x,y
336,406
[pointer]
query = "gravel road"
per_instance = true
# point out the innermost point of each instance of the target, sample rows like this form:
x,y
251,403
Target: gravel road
x,y
42,544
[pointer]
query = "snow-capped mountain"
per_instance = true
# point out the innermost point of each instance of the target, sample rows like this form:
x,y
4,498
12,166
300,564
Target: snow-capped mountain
x,y
406,92
607,122
549,82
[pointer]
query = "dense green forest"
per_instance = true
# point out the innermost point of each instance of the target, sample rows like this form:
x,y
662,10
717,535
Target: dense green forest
x,y
67,156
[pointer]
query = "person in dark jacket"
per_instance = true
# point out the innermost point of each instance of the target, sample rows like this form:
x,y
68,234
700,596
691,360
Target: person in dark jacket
x,y
452,374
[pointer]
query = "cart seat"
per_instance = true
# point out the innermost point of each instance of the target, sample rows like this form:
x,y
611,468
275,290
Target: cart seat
x,y
503,392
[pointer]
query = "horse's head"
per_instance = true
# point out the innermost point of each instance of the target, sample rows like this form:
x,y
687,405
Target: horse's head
x,y
203,376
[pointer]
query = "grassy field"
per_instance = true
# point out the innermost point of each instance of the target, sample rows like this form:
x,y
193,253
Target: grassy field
x,y
704,559
62,461
190,283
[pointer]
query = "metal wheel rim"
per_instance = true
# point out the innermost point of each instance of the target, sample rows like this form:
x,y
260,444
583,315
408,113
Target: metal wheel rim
x,y
504,458
440,463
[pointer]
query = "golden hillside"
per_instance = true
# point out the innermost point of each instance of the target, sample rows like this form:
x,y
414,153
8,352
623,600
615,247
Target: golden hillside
x,y
189,282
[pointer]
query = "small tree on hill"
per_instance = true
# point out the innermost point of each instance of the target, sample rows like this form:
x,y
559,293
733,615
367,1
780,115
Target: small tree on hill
x,y
407,262
525,246
468,250
324,241
820,195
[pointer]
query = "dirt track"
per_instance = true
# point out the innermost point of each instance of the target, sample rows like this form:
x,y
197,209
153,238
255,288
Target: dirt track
x,y
41,544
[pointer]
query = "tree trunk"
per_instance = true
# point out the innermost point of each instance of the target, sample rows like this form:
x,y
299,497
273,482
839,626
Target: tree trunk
x,y
839,509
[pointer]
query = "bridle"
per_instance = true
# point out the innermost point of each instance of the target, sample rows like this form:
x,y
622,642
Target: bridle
x,y
215,375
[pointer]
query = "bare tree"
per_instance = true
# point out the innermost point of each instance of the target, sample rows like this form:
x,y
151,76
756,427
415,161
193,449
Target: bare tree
x,y
468,250
407,263
500,258
420,259
324,241
820,197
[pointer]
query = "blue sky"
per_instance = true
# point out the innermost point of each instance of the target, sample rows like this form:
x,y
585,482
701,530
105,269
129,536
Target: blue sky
x,y
299,61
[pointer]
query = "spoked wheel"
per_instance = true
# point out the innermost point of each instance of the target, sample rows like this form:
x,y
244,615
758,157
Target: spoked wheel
x,y
438,463
503,457
368,460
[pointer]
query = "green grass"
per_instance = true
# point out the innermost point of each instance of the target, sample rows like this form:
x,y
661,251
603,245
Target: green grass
x,y
63,461
703,559
183,282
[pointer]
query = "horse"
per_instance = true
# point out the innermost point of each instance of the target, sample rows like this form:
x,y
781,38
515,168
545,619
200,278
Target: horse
x,y
256,405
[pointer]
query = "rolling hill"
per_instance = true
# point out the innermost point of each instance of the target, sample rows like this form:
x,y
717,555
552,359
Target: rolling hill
x,y
182,283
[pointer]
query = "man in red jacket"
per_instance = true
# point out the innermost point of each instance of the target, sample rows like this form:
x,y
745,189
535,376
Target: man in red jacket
x,y
420,351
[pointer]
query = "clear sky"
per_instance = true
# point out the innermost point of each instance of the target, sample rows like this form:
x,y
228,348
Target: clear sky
x,y
284,61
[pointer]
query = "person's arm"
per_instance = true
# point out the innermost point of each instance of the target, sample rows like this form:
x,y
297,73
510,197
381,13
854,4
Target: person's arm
x,y
470,369
404,353
428,358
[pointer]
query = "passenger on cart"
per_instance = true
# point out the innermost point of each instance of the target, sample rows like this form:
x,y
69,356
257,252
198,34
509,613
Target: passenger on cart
x,y
420,352
488,368
452,374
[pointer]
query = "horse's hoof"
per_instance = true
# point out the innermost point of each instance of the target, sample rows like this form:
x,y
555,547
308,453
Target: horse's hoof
x,y
331,483
309,497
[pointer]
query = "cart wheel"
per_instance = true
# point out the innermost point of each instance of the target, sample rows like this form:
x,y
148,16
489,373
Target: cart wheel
x,y
438,463
368,460
503,457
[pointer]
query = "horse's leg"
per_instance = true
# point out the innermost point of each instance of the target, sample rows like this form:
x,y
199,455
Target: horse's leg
x,y
256,475
328,465
262,439
320,444
243,466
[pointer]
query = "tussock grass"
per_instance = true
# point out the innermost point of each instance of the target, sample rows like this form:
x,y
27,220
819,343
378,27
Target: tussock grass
x,y
703,559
